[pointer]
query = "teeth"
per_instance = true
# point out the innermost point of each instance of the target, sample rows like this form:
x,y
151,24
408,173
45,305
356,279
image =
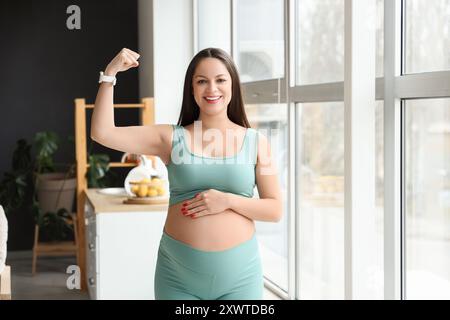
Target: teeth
x,y
212,98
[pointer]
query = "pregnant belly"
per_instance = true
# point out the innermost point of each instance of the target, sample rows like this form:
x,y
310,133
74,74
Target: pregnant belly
x,y
215,232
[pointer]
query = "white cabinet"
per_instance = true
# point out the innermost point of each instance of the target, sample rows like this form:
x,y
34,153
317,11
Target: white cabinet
x,y
121,247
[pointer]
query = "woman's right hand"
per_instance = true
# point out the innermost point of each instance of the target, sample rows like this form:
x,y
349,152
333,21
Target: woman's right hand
x,y
123,61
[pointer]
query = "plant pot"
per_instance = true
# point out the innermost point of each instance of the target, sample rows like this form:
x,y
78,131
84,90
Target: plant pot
x,y
55,192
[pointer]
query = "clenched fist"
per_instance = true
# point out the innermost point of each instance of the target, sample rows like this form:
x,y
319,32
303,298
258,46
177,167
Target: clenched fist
x,y
124,60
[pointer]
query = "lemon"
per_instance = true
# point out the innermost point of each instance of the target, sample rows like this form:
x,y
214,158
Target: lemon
x,y
142,192
160,191
156,181
152,192
135,189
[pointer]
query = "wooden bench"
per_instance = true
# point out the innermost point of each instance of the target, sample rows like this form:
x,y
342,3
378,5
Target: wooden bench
x,y
5,284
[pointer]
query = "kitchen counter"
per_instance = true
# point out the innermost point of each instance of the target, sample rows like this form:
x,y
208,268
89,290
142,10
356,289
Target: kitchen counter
x,y
122,242
109,203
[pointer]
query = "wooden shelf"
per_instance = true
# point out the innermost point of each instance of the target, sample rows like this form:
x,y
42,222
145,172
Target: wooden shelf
x,y
119,165
123,105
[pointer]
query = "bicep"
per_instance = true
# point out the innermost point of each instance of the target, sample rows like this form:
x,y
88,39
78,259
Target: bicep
x,y
266,171
146,140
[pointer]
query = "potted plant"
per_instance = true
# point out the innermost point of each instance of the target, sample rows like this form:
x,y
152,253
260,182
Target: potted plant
x,y
35,183
55,190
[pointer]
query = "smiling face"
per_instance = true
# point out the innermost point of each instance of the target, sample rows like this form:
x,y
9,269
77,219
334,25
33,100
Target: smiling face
x,y
211,86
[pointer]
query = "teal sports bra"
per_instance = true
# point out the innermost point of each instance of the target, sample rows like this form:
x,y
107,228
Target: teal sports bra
x,y
190,174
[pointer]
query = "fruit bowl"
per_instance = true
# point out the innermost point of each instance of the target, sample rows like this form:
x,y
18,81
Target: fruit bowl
x,y
149,188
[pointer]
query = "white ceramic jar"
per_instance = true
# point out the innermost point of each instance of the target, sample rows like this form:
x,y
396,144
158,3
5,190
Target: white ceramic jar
x,y
143,171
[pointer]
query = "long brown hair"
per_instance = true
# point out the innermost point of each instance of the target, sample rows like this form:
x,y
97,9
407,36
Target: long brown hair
x,y
190,111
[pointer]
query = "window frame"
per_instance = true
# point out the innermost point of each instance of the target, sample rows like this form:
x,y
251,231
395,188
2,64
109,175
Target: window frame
x,y
393,88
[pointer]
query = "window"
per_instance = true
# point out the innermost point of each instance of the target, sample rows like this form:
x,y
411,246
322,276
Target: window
x,y
427,221
377,274
259,39
320,41
258,44
321,201
271,121
427,35
380,39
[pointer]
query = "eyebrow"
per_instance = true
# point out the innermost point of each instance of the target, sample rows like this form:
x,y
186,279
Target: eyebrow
x,y
219,75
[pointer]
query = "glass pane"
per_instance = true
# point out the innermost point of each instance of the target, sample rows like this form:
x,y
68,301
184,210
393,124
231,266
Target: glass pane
x,y
380,39
320,41
260,39
321,201
214,29
271,121
427,35
377,276
427,221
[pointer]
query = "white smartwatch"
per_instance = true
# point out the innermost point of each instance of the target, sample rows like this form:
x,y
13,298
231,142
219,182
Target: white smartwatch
x,y
105,78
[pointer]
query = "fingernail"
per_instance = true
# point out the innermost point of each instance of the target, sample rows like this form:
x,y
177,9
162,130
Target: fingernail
x,y
193,216
184,204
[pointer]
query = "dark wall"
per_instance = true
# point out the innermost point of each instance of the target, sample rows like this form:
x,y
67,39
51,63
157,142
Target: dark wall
x,y
45,66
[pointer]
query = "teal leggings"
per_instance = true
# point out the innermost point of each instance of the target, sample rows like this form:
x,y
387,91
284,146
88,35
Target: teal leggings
x,y
186,273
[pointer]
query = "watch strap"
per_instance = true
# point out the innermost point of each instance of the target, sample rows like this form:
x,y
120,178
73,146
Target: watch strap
x,y
105,78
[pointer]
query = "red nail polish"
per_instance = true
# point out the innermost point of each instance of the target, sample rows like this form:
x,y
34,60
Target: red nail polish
x,y
184,204
193,216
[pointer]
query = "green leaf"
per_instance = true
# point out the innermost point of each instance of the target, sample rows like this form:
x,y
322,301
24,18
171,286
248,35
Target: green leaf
x,y
46,145
98,167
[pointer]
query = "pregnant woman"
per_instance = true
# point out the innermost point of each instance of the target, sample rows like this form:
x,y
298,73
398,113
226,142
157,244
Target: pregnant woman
x,y
214,159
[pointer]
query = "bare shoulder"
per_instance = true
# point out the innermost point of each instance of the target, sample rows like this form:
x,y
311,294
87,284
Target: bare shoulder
x,y
264,150
165,132
240,130
263,142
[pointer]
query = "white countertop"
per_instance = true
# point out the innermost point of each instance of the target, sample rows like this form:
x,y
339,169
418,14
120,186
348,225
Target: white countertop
x,y
114,203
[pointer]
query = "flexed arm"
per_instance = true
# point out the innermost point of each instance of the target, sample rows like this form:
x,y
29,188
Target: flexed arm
x,y
145,140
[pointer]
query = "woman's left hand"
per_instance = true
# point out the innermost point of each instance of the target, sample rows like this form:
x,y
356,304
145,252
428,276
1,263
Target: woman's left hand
x,y
204,203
